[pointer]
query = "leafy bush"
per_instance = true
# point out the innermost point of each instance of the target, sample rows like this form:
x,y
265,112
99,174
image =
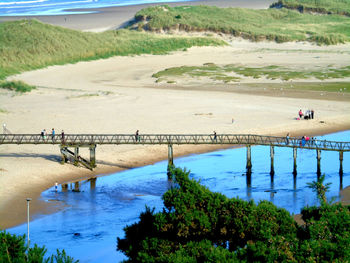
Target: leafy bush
x,y
13,249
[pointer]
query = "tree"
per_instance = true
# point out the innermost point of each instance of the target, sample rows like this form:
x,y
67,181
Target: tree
x,y
320,189
13,249
197,225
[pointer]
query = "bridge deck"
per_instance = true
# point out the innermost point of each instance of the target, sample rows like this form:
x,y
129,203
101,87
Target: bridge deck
x,y
154,139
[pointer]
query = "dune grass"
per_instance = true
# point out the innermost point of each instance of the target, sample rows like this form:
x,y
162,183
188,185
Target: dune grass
x,y
29,44
17,86
233,73
280,25
341,7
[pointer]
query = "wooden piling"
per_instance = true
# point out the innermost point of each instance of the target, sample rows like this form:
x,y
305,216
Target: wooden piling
x,y
272,155
341,163
92,183
63,156
170,160
64,187
92,155
76,187
318,156
294,161
76,155
249,160
170,155
249,180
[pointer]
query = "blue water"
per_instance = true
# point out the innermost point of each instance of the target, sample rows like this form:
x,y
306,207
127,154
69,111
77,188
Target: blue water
x,y
59,7
92,219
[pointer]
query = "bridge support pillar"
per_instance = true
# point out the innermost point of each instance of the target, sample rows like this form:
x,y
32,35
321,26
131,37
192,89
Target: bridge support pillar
x,y
272,155
318,156
76,155
63,156
341,163
249,160
294,161
170,159
92,183
64,187
92,155
76,187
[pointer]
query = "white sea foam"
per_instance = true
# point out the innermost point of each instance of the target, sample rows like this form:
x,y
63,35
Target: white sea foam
x,y
21,2
48,4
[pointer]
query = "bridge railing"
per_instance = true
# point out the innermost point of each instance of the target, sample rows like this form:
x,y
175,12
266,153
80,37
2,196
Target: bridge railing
x,y
231,139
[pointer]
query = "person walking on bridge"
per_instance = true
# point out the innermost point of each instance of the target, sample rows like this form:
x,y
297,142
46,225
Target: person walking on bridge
x,y
137,137
62,136
53,134
215,138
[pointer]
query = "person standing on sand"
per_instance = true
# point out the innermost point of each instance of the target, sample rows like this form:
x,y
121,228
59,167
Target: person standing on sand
x,y
300,113
215,136
312,114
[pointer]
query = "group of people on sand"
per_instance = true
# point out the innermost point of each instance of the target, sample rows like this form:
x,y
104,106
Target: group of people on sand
x,y
44,134
309,114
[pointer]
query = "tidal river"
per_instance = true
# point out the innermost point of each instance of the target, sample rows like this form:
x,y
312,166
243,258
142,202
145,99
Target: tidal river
x,y
95,215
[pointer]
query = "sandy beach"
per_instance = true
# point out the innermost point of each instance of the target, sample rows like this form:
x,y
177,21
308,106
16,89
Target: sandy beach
x,y
119,95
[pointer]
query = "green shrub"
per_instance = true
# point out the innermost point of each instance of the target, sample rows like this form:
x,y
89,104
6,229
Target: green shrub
x,y
13,249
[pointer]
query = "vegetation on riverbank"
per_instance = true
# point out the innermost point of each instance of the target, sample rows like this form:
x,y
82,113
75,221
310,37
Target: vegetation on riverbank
x,y
197,225
234,73
340,7
29,44
13,248
280,25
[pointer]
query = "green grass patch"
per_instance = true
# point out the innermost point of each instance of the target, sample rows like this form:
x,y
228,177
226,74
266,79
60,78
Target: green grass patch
x,y
17,86
3,111
208,70
341,7
29,44
280,25
232,73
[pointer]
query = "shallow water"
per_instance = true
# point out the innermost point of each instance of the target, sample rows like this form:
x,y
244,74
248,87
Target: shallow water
x,y
87,228
59,7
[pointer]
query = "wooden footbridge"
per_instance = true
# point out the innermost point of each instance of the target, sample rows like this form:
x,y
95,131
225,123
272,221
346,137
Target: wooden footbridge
x,y
75,141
